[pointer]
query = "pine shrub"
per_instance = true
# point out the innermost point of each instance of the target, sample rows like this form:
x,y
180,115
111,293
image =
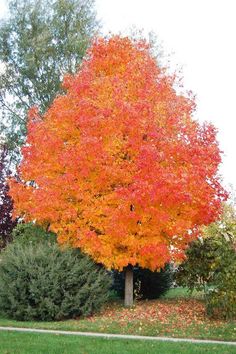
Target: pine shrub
x,y
30,233
39,281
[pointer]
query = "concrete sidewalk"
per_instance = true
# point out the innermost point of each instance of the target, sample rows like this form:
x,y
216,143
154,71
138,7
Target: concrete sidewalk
x,y
117,336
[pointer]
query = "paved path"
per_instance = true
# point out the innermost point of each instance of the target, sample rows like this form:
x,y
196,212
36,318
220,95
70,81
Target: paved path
x,y
119,336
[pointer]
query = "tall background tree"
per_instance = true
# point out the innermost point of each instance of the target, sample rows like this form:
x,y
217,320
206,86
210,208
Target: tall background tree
x,y
6,202
40,40
129,177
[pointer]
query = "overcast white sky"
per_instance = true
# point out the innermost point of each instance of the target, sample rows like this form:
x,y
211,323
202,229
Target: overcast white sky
x,y
201,34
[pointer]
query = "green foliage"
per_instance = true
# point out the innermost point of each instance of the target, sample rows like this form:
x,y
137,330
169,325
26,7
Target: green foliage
x,y
42,282
221,300
29,233
211,266
226,226
147,284
203,259
39,42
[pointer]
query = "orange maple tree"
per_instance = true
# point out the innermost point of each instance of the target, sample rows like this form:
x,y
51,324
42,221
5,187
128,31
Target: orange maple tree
x,y
117,166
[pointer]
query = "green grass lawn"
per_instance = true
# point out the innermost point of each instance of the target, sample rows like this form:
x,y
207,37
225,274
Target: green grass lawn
x,y
175,315
34,343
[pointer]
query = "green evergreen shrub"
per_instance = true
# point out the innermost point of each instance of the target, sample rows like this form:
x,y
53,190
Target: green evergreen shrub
x,y
39,281
147,284
30,233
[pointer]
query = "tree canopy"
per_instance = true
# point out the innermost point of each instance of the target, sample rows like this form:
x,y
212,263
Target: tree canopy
x,y
117,166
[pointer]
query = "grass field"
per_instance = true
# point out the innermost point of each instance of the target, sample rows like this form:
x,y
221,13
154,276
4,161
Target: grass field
x,y
175,315
33,343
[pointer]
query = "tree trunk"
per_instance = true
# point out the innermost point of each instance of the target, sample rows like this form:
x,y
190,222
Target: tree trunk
x,y
129,298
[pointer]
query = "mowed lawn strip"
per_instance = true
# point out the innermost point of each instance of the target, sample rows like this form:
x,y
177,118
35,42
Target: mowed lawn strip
x,y
21,343
180,318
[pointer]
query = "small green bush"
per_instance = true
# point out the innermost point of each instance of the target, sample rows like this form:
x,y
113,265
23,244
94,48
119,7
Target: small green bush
x,y
30,233
147,284
221,300
211,267
43,282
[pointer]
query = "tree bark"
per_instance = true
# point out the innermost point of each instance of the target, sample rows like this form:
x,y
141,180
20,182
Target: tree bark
x,y
129,297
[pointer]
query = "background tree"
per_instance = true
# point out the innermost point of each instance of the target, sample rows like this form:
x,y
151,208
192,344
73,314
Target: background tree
x,y
39,41
129,176
6,203
211,265
207,255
